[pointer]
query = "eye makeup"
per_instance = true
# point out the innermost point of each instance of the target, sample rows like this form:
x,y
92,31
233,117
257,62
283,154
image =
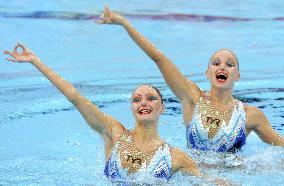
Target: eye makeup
x,y
152,97
136,99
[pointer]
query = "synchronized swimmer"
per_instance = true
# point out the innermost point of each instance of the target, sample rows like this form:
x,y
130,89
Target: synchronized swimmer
x,y
138,156
214,120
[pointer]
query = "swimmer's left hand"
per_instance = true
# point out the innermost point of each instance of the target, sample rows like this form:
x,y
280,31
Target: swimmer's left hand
x,y
25,56
109,17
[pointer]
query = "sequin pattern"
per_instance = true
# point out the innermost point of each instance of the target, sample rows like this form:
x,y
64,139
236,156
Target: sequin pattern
x,y
218,131
154,168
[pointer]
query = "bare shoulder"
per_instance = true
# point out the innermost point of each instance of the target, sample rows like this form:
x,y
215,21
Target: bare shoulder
x,y
177,153
179,158
254,115
182,162
252,110
190,101
257,121
194,92
117,129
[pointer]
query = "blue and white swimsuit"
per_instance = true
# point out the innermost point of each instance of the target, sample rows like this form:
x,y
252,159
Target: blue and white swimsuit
x,y
230,136
157,171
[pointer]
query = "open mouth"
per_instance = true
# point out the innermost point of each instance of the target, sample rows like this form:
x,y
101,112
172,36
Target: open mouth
x,y
144,111
221,76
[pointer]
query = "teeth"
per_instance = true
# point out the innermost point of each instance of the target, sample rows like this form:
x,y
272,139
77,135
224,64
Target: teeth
x,y
144,111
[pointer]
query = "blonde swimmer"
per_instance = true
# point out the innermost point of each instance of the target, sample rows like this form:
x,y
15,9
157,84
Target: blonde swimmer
x,y
137,156
214,120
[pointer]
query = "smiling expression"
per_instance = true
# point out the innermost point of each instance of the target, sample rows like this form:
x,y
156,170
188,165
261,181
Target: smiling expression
x,y
146,104
223,69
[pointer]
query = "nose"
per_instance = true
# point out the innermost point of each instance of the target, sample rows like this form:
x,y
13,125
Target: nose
x,y
222,66
143,102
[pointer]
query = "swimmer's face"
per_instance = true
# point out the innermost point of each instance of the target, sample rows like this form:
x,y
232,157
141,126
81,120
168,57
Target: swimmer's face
x,y
146,104
223,69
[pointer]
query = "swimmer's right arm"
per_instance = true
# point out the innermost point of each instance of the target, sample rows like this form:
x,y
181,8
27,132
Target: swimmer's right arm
x,y
99,121
183,88
182,162
257,122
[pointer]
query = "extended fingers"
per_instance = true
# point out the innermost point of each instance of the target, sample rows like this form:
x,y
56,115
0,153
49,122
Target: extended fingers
x,y
103,19
12,60
107,11
10,53
6,52
99,21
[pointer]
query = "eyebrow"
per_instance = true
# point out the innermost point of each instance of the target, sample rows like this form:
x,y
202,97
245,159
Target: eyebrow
x,y
231,59
215,58
152,94
136,95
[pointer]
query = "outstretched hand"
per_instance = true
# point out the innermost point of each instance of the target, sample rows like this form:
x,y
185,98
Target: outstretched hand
x,y
25,55
109,17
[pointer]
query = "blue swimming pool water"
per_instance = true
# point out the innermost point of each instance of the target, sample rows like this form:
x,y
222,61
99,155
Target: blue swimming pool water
x,y
45,141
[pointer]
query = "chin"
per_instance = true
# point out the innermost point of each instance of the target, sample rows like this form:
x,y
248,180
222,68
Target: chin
x,y
224,86
143,119
221,85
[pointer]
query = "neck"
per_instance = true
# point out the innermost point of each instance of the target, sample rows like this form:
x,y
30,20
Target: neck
x,y
146,133
221,96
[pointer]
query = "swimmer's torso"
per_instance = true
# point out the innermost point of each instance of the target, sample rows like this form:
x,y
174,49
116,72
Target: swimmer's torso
x,y
127,162
132,157
211,129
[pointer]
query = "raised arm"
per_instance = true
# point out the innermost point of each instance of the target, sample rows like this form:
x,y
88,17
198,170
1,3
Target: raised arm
x,y
183,88
257,122
102,123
